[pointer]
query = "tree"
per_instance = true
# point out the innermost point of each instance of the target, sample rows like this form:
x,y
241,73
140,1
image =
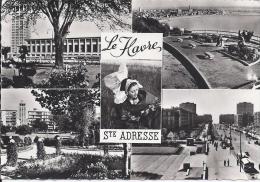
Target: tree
x,y
23,50
11,152
64,122
39,125
62,13
5,51
77,104
23,130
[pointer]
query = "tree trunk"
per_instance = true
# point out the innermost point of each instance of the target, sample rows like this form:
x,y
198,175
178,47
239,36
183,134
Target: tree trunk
x,y
59,42
126,160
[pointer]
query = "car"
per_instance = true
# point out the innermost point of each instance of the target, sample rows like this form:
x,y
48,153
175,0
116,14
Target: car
x,y
179,40
209,55
256,85
192,45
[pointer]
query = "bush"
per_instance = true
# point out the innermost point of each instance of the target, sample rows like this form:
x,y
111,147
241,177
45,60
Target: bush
x,y
49,141
40,150
6,82
36,139
22,81
11,154
27,141
23,130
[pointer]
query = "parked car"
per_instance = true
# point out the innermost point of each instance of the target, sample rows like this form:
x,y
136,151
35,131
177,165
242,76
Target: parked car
x,y
256,85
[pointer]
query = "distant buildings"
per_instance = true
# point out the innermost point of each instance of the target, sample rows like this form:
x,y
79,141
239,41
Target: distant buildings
x,y
228,119
183,117
257,118
245,107
9,118
245,114
20,30
43,116
22,113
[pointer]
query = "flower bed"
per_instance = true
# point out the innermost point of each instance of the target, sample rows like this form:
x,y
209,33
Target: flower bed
x,y
72,166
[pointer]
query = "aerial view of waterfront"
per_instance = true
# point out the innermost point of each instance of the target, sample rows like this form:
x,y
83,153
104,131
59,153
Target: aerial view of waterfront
x,y
231,23
217,42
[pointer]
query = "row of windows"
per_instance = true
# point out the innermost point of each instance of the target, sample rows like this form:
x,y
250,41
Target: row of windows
x,y
67,48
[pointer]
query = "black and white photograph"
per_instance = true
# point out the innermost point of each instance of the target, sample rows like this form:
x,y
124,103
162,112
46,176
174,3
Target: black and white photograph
x,y
54,134
131,94
206,135
207,44
56,44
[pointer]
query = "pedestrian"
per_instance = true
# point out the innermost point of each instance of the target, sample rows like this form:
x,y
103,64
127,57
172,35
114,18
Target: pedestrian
x,y
259,166
224,162
238,162
228,162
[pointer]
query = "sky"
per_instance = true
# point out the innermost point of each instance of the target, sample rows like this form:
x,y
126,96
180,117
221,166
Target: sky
x,y
43,29
153,4
213,102
10,99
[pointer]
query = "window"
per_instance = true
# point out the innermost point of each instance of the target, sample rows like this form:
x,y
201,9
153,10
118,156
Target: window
x,y
76,42
82,45
88,45
70,46
95,45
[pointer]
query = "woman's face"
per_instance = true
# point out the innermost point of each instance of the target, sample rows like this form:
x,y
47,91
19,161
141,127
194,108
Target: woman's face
x,y
133,92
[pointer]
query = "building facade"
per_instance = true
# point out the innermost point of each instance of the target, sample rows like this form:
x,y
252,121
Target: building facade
x,y
20,29
9,118
170,119
257,118
191,107
203,119
43,116
22,113
245,107
228,119
43,50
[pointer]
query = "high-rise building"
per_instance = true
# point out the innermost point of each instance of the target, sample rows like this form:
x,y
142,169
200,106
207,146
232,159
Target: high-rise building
x,y
9,118
245,112
20,29
191,107
245,107
22,113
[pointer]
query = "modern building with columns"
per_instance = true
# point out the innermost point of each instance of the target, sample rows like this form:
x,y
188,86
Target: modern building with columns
x,y
43,49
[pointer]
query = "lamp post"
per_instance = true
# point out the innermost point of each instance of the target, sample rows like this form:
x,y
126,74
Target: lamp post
x,y
240,148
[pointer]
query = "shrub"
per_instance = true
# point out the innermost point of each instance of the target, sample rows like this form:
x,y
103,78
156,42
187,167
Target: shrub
x,y
27,141
23,130
40,150
22,81
12,153
6,82
36,139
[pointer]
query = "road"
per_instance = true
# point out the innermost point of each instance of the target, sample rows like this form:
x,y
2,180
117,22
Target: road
x,y
253,149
